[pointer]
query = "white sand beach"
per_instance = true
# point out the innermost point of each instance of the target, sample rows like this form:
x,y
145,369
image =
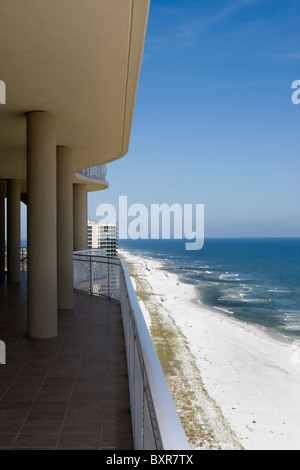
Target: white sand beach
x,y
252,378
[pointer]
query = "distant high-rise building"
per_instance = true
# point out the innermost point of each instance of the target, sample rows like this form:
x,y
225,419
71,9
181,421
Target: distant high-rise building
x,y
103,236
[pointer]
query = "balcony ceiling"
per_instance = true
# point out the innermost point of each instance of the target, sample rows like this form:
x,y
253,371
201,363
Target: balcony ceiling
x,y
79,59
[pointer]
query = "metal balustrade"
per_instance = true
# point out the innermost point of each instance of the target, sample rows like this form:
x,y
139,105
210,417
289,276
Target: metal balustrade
x,y
23,258
155,421
97,172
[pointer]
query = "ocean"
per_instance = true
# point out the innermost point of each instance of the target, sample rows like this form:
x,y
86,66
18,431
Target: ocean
x,y
253,280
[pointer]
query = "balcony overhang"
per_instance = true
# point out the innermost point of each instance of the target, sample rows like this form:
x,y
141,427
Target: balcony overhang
x,y
78,59
92,184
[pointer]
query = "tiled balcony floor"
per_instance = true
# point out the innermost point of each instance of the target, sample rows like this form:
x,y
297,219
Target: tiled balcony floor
x,y
70,392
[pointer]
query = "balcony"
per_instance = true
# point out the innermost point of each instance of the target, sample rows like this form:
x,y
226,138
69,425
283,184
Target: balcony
x,y
155,421
99,384
96,172
94,177
70,392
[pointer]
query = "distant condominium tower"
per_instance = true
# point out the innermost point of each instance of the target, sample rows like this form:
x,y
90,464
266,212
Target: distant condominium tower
x,y
103,236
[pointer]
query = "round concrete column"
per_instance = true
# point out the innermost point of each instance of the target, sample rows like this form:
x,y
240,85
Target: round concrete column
x,y
80,217
41,225
13,230
65,291
2,231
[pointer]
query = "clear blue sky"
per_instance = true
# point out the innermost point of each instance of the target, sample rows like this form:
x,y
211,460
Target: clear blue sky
x,y
214,122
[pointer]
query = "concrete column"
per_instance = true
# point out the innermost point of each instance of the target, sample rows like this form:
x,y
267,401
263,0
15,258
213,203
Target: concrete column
x,y
41,225
80,217
13,230
65,291
2,231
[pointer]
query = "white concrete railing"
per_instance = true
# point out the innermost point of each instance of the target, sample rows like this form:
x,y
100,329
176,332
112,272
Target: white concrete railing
x,y
155,421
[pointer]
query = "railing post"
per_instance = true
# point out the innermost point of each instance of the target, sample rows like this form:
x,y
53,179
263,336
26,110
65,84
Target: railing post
x,y
91,280
108,274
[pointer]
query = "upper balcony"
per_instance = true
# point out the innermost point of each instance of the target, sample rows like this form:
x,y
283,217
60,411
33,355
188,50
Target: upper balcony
x,y
94,178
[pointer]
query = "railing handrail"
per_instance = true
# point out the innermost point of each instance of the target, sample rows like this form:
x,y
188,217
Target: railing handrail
x,y
167,428
93,254
170,428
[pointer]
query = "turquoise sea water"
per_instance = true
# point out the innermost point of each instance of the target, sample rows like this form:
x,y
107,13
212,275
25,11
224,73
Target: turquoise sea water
x,y
253,280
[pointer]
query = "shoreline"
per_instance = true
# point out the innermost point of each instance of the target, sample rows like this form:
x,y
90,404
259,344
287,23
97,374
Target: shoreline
x,y
267,332
246,376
